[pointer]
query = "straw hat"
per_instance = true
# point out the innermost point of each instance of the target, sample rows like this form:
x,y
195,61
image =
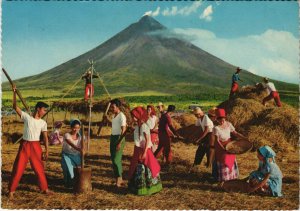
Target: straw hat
x,y
198,110
266,79
160,104
212,111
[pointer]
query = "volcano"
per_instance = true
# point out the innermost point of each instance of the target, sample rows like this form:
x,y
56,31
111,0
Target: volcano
x,y
142,58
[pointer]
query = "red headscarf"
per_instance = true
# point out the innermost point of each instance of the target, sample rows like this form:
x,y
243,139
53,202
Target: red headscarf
x,y
140,113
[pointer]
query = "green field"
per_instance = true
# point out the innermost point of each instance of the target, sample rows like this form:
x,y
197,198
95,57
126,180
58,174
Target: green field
x,y
181,101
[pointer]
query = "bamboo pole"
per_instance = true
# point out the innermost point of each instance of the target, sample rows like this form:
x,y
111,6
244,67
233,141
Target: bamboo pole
x,y
103,119
19,95
82,146
17,91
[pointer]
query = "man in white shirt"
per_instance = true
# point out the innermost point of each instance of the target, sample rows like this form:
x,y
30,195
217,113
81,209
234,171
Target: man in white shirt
x,y
273,94
117,140
30,148
203,140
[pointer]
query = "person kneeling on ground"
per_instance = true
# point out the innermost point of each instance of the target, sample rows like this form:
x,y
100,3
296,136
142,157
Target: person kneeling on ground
x,y
55,137
268,178
71,152
144,169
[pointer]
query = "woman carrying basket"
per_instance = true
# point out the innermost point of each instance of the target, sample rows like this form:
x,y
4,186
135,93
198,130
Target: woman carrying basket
x,y
225,166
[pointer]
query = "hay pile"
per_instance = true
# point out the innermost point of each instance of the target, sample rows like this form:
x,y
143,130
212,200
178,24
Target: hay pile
x,y
252,92
273,126
241,111
185,126
81,107
185,120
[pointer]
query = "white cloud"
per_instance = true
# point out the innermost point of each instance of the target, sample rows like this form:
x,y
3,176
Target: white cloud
x,y
148,13
273,53
185,11
152,13
207,13
156,12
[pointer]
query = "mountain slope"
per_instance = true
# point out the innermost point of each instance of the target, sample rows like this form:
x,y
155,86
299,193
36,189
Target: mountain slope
x,y
137,59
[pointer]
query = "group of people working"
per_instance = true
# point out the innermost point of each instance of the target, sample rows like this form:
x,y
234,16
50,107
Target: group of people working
x,y
269,86
152,137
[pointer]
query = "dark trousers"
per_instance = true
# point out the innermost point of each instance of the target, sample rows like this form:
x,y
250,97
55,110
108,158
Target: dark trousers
x,y
203,149
164,146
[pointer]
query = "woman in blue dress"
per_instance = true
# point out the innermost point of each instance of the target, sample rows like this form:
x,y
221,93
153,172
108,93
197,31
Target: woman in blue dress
x,y
268,178
71,152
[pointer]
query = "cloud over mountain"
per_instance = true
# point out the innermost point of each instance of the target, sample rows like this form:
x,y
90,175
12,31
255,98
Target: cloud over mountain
x,y
272,53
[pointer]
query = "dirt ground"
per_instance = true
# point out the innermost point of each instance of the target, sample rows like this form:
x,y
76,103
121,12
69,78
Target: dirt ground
x,y
181,190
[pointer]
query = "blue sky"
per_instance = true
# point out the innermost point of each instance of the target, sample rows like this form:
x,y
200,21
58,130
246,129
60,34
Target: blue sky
x,y
261,37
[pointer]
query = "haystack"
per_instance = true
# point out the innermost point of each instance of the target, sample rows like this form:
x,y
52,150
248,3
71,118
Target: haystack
x,y
82,107
185,119
185,126
273,126
241,111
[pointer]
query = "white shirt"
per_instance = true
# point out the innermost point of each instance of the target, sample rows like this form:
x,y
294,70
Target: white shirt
x,y
223,133
139,138
117,122
67,148
151,122
32,127
205,122
270,87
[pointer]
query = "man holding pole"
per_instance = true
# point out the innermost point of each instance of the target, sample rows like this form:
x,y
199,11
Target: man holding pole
x,y
30,148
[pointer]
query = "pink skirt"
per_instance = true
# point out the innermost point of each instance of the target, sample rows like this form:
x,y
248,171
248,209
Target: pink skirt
x,y
150,161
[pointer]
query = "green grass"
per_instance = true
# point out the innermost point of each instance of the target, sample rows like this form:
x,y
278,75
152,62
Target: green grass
x,y
181,101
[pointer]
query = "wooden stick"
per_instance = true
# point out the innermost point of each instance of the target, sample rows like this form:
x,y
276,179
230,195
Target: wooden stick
x,y
82,147
20,97
17,91
102,122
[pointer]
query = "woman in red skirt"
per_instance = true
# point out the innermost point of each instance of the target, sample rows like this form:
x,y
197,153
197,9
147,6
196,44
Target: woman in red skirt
x,y
144,169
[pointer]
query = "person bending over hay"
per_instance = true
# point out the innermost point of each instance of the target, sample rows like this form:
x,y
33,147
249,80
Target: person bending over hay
x,y
203,140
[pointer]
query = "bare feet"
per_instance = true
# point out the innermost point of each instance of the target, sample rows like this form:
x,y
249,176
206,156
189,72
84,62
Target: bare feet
x,y
11,195
120,182
221,184
47,192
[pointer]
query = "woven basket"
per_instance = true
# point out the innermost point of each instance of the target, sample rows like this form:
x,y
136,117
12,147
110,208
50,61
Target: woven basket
x,y
238,147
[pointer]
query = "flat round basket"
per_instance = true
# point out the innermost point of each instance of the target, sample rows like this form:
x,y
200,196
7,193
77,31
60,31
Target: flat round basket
x,y
238,147
236,186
